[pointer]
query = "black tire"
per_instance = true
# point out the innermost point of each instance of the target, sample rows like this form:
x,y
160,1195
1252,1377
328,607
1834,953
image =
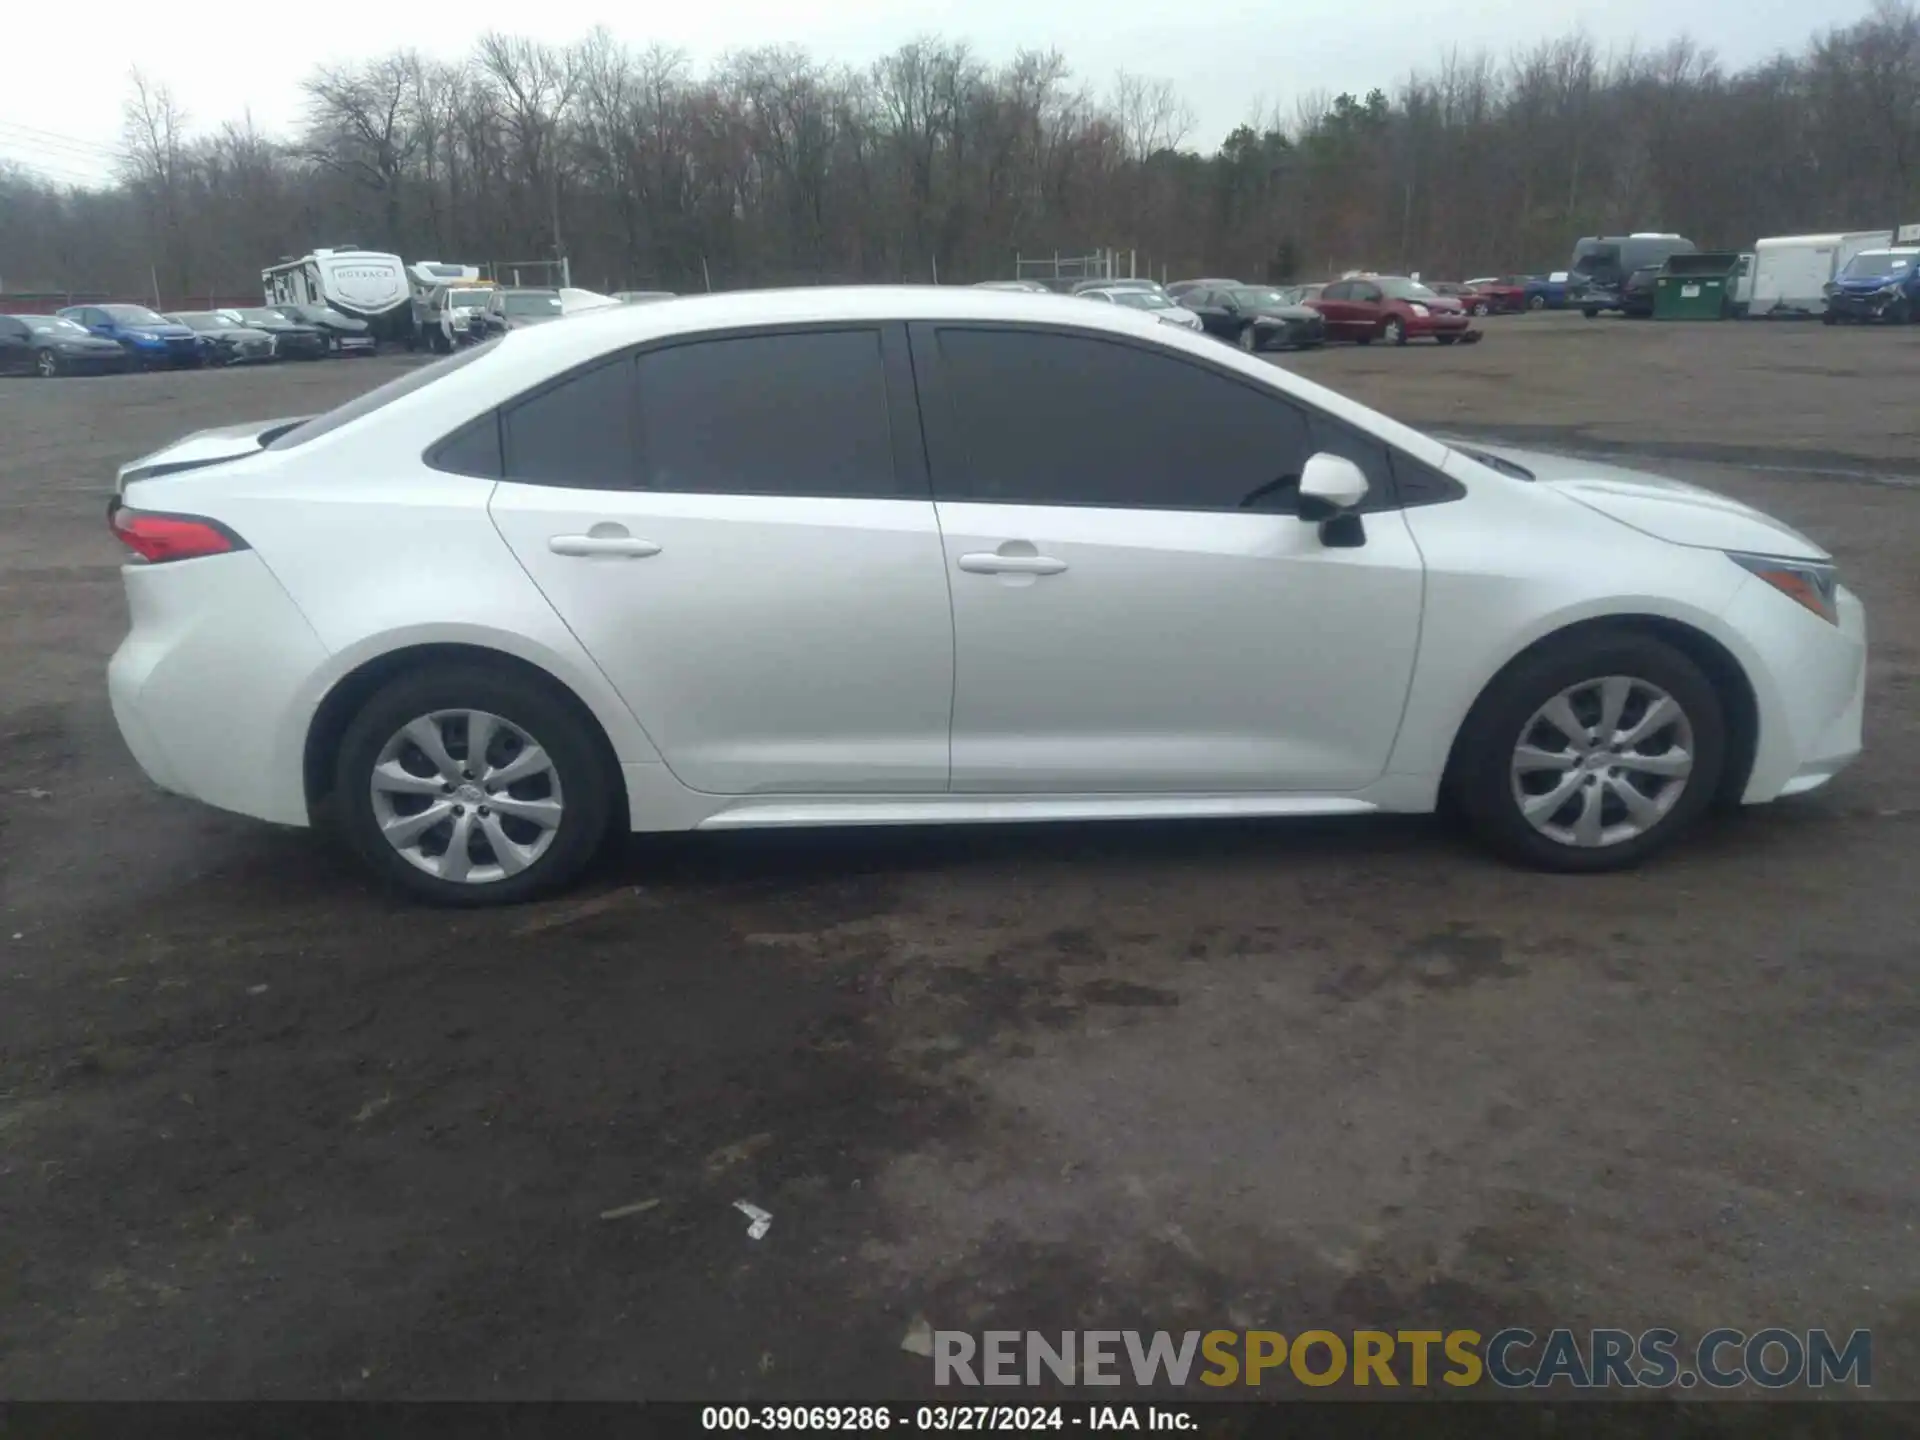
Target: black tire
x,y
1592,312
1536,302
1480,780
1446,339
586,775
1479,307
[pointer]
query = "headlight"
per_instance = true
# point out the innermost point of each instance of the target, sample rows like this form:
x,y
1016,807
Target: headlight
x,y
1812,583
1419,309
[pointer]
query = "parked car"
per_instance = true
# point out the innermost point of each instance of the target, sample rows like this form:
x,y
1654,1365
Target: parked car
x,y
292,340
52,345
1391,308
1126,576
449,316
1153,302
1257,317
345,334
1876,285
1635,298
1503,293
227,342
641,297
1025,287
1137,282
1601,266
1181,287
1471,300
517,309
149,339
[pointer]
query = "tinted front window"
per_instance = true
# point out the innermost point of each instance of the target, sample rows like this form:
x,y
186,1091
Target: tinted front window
x,y
576,433
1064,420
799,414
133,314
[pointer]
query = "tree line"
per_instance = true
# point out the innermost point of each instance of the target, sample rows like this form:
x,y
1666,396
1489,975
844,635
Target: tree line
x,y
776,167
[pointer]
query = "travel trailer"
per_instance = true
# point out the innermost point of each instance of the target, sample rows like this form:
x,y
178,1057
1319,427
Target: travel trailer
x,y
367,285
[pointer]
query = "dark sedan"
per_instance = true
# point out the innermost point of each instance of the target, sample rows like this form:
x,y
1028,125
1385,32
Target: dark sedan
x,y
291,339
228,342
1256,317
344,334
50,345
1184,287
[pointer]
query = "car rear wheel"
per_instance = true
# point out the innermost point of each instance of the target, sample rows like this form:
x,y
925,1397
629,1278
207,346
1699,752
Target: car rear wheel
x,y
472,786
1394,332
1536,302
1480,307
47,363
1591,755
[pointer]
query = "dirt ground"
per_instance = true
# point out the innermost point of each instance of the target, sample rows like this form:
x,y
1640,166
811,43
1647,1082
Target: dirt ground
x,y
267,1131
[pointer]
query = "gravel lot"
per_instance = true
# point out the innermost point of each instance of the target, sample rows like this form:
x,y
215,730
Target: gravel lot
x,y
265,1131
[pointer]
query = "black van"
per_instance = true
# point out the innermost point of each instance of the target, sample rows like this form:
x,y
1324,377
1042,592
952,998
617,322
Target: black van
x,y
1597,276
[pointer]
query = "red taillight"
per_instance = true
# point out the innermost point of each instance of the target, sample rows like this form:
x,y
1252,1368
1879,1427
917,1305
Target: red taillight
x,y
157,538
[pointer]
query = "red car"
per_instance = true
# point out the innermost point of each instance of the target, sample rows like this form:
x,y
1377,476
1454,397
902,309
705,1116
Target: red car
x,y
1391,308
1473,301
1504,294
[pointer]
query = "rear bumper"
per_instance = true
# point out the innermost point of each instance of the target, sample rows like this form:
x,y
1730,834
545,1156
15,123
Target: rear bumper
x,y
207,681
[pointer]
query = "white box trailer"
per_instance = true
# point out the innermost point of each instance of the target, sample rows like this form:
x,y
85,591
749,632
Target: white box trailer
x,y
1790,272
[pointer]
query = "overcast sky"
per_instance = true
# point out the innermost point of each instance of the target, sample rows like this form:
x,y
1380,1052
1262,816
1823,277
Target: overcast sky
x,y
1230,59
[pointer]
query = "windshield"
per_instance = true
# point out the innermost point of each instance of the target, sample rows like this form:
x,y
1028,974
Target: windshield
x,y
468,299
1591,259
1143,300
1397,289
1260,295
532,304
133,315
53,325
262,316
199,320
1872,264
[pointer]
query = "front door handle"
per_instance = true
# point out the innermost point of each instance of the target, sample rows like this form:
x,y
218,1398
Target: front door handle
x,y
617,546
988,562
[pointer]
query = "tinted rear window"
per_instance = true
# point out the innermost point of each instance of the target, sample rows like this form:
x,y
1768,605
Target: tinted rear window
x,y
378,397
796,414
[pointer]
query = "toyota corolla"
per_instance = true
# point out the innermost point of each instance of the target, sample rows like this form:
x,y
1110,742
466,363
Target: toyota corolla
x,y
836,557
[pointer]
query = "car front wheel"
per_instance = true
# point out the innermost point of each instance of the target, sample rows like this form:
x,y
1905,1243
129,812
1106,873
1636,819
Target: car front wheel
x,y
470,785
47,363
1250,340
1536,302
1591,755
1394,332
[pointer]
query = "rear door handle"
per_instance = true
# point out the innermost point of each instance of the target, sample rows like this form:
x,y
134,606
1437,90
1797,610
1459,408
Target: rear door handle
x,y
617,546
987,562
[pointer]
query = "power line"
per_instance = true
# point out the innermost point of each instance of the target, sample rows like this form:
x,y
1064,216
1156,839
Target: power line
x,y
58,140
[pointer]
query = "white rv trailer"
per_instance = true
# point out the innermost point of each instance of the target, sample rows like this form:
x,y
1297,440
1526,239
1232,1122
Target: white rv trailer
x,y
1790,272
368,285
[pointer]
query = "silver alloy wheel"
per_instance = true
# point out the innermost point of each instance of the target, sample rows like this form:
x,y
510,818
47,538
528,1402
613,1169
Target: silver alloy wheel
x,y
48,364
1602,762
466,796
1393,332
1249,340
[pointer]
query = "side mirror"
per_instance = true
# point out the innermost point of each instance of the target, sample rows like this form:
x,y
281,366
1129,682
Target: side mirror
x,y
1330,485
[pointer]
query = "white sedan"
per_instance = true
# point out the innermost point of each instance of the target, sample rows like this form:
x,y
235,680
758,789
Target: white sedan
x,y
879,556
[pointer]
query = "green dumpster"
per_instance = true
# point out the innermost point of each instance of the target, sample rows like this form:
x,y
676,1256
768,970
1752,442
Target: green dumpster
x,y
1695,287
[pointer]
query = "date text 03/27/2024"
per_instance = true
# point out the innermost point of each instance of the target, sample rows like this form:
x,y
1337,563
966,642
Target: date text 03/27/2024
x,y
943,1418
